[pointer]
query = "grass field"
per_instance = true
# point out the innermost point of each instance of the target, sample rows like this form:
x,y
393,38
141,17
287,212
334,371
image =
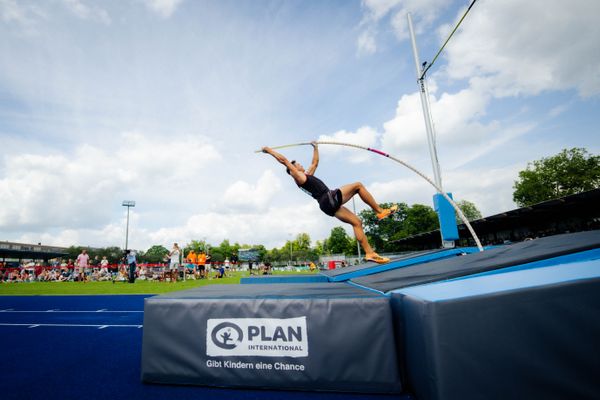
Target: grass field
x,y
139,287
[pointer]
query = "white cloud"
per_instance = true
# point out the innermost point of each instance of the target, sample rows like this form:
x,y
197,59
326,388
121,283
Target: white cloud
x,y
455,116
423,12
164,8
377,9
252,197
76,190
25,16
523,48
364,136
490,190
366,43
87,12
558,110
271,227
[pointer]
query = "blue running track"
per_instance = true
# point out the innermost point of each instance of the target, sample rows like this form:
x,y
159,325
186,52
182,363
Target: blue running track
x,y
89,347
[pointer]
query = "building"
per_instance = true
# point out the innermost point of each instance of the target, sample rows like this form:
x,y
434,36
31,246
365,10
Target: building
x,y
578,212
11,252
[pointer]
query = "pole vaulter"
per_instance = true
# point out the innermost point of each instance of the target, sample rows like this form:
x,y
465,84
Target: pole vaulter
x,y
381,153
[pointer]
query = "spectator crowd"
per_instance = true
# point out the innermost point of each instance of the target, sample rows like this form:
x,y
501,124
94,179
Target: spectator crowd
x,y
84,269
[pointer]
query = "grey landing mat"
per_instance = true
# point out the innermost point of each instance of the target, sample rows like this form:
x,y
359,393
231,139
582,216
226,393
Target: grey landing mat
x,y
317,337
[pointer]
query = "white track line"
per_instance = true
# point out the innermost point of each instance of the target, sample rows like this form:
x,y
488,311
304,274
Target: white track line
x,y
67,311
73,325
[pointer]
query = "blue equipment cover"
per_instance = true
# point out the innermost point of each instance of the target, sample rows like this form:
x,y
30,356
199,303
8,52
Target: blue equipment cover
x,y
531,334
284,279
322,336
446,217
493,259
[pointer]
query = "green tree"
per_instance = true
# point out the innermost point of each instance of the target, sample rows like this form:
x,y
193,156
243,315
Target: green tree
x,y
216,254
338,241
73,252
469,210
407,221
419,219
319,248
380,233
155,254
273,255
196,245
569,172
303,241
113,254
225,248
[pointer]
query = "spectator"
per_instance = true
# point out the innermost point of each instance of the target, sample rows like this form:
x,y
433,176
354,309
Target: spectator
x,y
104,274
14,276
234,261
267,269
201,265
53,275
82,264
143,274
191,258
174,256
95,275
227,265
44,276
132,263
220,272
191,261
122,275
64,276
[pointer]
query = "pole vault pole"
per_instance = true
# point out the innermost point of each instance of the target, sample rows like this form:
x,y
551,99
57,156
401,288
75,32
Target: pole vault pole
x,y
416,171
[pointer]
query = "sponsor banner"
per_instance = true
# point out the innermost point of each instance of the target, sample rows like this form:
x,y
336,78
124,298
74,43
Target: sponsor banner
x,y
262,337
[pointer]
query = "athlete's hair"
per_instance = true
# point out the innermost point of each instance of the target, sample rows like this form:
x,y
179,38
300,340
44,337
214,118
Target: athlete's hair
x,y
287,169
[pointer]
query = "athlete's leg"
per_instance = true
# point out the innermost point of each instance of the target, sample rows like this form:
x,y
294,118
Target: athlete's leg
x,y
347,216
357,187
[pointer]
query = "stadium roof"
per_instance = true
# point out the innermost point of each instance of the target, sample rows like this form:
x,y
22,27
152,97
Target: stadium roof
x,y
11,250
573,213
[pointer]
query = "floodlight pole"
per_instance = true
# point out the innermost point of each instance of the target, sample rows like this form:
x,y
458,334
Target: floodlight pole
x,y
128,204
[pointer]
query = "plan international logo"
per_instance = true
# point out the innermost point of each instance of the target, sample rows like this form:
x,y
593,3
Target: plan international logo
x,y
263,337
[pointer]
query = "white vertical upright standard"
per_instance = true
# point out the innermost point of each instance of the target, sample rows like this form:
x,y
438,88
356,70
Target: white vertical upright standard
x,y
425,104
428,118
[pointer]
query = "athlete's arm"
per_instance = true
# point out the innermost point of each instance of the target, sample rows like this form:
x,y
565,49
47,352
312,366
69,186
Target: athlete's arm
x,y
298,176
315,161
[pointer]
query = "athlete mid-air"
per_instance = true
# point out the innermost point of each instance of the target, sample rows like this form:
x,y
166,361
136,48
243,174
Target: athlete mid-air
x,y
331,202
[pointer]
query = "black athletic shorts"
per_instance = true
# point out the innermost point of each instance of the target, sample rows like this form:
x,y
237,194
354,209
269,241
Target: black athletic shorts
x,y
330,202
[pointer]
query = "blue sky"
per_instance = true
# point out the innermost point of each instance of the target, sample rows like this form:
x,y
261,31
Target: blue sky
x,y
164,102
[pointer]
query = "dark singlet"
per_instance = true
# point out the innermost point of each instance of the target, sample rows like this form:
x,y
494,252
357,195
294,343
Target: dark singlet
x,y
329,200
314,186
